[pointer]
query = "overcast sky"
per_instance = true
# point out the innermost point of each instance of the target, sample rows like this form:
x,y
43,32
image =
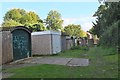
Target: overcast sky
x,y
72,12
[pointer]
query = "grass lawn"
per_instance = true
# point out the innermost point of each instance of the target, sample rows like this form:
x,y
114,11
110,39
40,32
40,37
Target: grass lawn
x,y
103,64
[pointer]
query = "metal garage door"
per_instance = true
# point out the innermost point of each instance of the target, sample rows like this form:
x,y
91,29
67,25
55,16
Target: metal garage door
x,y
21,44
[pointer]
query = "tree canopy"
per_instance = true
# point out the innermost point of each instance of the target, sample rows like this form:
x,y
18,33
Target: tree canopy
x,y
53,20
11,23
107,22
14,14
18,17
74,30
29,17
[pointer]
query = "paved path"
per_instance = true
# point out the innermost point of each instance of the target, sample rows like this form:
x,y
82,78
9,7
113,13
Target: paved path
x,y
48,60
58,61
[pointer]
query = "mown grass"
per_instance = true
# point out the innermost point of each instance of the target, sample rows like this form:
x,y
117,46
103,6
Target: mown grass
x,y
103,64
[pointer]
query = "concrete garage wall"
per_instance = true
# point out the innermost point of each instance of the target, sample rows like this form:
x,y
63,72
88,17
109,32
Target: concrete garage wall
x,y
69,44
41,44
46,42
0,48
7,55
63,43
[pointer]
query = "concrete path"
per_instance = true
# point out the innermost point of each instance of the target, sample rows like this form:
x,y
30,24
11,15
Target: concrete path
x,y
58,61
48,60
78,62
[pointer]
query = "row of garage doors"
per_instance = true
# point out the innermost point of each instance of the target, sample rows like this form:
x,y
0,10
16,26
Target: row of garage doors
x,y
16,43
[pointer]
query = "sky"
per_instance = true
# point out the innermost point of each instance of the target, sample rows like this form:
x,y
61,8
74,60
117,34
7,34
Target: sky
x,y
79,13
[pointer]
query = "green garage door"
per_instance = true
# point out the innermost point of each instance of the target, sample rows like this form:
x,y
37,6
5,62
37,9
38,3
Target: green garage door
x,y
21,44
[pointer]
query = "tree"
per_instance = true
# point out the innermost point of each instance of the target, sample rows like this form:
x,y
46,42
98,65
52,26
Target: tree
x,y
18,17
73,30
14,14
107,22
100,11
92,30
30,17
39,27
82,33
53,20
97,26
11,23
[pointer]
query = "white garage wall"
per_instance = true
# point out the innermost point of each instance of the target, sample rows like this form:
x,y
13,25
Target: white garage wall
x,y
56,41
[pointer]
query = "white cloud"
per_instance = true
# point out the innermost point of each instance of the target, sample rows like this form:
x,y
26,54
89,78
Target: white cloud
x,y
87,26
84,21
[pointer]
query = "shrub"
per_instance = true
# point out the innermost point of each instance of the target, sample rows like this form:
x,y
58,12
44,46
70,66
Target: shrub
x,y
110,36
80,48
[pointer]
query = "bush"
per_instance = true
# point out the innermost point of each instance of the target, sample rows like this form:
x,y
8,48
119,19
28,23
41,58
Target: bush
x,y
110,36
80,48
